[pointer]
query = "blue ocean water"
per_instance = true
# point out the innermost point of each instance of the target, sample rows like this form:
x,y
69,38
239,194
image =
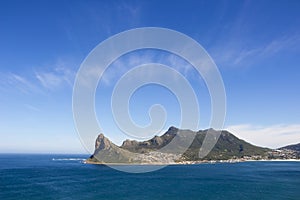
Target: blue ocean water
x,y
66,177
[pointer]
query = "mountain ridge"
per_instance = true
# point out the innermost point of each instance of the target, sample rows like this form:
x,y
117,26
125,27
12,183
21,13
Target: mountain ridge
x,y
174,146
294,147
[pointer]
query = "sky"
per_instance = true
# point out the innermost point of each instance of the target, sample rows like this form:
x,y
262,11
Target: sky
x,y
255,45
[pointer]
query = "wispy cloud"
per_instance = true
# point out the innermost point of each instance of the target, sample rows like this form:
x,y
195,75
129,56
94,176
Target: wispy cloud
x,y
124,64
237,53
52,78
274,136
32,108
56,78
21,83
240,42
283,43
132,11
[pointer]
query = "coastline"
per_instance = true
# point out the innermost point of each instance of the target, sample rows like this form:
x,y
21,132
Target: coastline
x,y
194,162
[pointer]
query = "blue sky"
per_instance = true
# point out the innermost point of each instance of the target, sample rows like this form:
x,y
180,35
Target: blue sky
x,y
255,44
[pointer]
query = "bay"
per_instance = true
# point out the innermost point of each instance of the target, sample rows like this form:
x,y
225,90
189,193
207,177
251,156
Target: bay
x,y
32,176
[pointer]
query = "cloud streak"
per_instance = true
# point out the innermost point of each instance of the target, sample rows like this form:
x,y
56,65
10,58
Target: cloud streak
x,y
38,81
18,82
134,59
274,136
56,78
236,53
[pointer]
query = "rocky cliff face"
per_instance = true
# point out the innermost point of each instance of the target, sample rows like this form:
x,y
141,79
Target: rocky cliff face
x,y
157,142
102,143
108,152
152,151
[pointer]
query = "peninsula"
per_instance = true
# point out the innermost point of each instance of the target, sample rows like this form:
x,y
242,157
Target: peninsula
x,y
227,148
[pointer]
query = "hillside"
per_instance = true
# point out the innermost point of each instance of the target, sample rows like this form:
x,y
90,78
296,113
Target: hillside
x,y
294,147
167,148
227,147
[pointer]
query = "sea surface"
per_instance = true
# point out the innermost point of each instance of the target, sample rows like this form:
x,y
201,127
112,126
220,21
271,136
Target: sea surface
x,y
67,177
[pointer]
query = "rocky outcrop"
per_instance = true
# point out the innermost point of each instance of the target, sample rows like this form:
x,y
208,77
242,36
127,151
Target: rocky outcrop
x,y
108,152
102,143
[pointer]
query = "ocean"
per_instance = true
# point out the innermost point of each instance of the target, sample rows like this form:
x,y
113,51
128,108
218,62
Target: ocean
x,y
67,177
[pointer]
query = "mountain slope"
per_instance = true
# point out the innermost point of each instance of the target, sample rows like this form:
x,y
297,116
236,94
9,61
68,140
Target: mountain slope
x,y
174,146
227,147
294,147
108,152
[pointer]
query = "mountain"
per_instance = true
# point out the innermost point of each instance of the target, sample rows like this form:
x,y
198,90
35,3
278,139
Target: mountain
x,y
294,147
108,152
228,146
174,146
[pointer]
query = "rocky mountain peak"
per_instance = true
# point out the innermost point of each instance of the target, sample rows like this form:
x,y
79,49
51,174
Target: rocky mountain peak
x,y
173,129
102,142
128,143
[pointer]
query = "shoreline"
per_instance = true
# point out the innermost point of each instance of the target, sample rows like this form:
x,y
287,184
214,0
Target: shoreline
x,y
232,161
